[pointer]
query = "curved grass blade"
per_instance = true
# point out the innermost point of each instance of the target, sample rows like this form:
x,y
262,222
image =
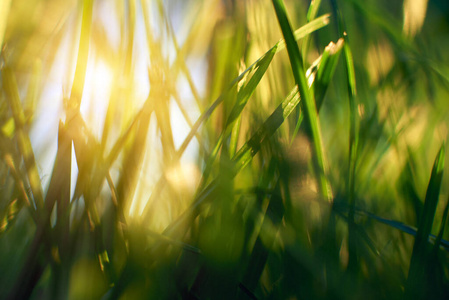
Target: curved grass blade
x,y
416,287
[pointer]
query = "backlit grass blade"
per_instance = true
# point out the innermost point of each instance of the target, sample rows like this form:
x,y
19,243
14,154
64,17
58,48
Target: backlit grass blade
x,y
132,164
33,92
311,15
326,69
243,96
119,144
415,287
23,140
308,104
243,157
11,161
245,154
83,52
125,76
248,89
252,146
300,33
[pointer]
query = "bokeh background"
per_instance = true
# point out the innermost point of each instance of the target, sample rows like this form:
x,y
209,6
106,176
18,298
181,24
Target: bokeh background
x,y
157,150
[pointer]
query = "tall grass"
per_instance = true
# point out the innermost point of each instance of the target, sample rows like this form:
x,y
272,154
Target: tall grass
x,y
279,151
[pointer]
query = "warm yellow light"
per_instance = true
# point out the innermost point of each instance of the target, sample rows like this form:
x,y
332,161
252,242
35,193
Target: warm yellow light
x,y
96,95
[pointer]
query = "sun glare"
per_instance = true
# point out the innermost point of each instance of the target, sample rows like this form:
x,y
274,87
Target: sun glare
x,y
97,92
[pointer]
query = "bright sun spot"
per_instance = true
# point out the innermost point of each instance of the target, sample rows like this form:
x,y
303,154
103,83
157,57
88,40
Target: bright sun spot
x,y
96,95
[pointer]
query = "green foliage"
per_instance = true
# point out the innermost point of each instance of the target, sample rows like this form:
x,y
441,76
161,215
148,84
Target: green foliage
x,y
299,174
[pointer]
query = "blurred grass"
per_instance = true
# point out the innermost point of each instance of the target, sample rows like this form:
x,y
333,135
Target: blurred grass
x,y
204,162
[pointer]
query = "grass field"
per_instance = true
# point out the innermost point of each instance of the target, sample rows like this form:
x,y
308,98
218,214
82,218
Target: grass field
x,y
220,149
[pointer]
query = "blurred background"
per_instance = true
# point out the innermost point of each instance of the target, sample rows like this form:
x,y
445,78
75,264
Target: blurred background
x,y
148,151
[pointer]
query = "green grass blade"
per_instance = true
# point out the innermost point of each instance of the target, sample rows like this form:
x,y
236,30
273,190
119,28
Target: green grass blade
x,y
252,146
243,96
308,103
260,252
353,144
233,142
326,70
243,157
311,15
246,91
442,226
300,33
402,227
353,140
420,255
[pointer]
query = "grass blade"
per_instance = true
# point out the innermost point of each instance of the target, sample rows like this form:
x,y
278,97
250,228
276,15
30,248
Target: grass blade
x,y
308,104
83,52
439,238
276,121
416,287
243,96
353,140
259,255
23,140
311,14
326,69
402,227
300,33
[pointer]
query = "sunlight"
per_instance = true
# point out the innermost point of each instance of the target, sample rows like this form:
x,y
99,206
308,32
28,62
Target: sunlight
x,y
97,91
